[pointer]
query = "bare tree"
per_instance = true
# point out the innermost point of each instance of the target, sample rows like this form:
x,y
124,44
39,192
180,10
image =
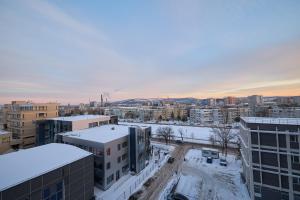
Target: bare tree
x,y
222,133
166,133
212,139
180,131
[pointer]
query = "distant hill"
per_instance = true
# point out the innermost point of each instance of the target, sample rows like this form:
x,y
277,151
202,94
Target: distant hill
x,y
156,100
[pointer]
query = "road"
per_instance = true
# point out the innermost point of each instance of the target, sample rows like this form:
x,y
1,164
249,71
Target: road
x,y
163,175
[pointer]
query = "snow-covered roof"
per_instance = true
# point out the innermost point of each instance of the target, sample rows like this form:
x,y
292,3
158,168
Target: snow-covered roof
x,y
270,120
81,117
23,165
188,186
100,134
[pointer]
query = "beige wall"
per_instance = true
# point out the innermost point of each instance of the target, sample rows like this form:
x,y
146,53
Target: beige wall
x,y
5,139
83,124
22,122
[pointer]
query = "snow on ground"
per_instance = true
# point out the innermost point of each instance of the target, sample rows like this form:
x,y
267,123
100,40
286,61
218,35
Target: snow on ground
x,y
219,182
129,184
194,134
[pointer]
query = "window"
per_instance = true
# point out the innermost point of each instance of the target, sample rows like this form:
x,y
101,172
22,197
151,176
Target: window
x,y
293,138
124,168
295,159
108,165
119,147
124,144
110,179
124,156
119,159
108,151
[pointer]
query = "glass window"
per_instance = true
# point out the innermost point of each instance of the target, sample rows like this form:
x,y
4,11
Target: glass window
x,y
108,151
108,165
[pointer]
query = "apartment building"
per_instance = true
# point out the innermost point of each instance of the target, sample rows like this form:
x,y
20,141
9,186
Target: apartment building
x,y
3,116
22,117
289,112
116,148
52,171
5,141
206,116
271,157
48,129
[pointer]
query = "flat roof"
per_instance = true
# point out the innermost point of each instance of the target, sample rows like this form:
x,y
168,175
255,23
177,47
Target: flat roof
x,y
100,134
271,120
81,117
23,165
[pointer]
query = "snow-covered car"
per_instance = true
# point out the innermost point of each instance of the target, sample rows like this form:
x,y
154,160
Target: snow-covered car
x,y
177,196
223,162
171,160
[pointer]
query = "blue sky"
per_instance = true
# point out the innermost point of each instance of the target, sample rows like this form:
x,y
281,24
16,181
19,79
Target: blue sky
x,y
71,51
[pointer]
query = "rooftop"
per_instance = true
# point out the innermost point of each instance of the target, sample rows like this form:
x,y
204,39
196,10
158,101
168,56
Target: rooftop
x,y
100,134
81,117
270,120
20,166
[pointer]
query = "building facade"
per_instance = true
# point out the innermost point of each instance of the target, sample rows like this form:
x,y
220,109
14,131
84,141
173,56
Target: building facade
x,y
66,174
48,129
270,157
22,117
5,141
116,148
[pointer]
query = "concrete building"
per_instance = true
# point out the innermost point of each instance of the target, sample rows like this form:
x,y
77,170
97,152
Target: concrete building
x,y
47,129
230,100
53,171
116,148
270,157
283,112
22,117
5,141
3,116
255,100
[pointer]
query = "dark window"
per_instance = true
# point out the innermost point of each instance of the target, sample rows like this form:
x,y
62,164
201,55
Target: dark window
x,y
254,138
110,179
270,179
295,159
268,139
284,195
283,161
255,157
285,182
282,141
46,193
108,151
124,144
124,156
108,165
119,159
256,176
293,138
269,159
119,147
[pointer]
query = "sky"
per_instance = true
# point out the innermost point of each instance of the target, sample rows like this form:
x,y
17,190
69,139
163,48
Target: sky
x,y
73,51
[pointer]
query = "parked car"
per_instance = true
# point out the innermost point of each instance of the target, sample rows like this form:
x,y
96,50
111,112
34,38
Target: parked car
x,y
223,162
179,141
177,196
171,160
209,160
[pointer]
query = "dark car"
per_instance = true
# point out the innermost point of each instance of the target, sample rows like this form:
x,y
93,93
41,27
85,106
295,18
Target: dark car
x,y
179,141
176,196
209,160
223,162
171,160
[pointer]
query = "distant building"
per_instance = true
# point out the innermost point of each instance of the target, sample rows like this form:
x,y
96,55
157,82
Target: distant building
x,y
255,100
284,112
53,171
5,141
270,157
22,117
47,129
117,149
230,100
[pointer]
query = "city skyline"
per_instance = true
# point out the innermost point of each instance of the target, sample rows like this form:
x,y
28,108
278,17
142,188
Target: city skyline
x,y
73,52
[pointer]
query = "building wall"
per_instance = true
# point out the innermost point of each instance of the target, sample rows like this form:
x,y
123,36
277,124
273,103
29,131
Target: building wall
x,y
5,140
22,117
272,153
69,182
